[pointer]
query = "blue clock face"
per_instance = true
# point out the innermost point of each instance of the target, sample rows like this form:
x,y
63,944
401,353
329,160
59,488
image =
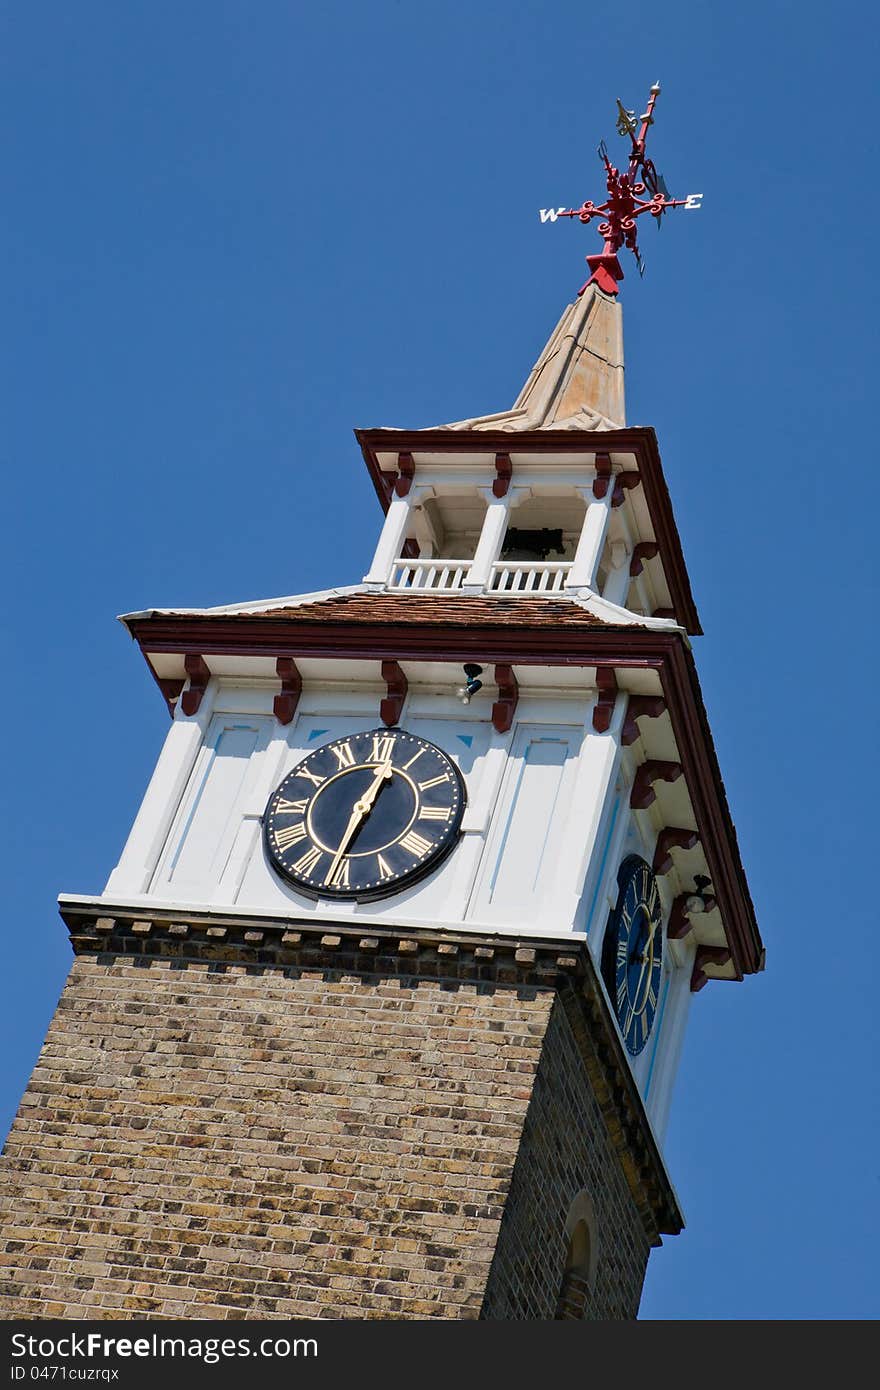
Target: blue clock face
x,y
632,953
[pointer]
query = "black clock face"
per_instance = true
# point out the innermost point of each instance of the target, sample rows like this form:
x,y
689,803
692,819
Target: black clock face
x,y
364,816
632,953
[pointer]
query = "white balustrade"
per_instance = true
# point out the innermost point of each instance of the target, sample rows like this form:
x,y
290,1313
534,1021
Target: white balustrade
x,y
418,576
506,576
529,577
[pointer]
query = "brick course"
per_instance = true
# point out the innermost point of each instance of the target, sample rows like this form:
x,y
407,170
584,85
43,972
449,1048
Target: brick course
x,y
211,1139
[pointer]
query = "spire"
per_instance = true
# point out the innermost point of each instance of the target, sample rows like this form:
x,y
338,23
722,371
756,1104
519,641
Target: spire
x,y
577,382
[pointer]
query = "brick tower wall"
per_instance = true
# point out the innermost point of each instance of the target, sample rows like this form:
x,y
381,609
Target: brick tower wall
x,y
222,1140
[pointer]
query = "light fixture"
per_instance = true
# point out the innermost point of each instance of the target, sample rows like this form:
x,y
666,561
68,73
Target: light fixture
x,y
699,901
472,672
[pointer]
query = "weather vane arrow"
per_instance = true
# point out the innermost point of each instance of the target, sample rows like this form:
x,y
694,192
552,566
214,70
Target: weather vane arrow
x,y
635,190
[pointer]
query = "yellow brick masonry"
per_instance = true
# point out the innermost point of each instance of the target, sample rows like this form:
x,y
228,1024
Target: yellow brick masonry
x,y
223,1141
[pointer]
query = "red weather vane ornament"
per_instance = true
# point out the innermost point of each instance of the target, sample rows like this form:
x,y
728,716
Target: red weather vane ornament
x,y
635,190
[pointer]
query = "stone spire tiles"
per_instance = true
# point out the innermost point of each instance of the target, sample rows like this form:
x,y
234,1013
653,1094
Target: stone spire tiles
x,y
577,382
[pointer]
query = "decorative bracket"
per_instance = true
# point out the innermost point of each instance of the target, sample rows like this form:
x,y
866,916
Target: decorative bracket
x,y
198,673
411,549
405,475
603,475
672,837
679,922
651,771
285,704
504,707
639,707
707,955
606,683
645,550
504,473
395,680
171,687
623,482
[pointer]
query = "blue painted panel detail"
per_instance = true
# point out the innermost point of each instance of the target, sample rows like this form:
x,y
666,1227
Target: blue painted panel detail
x,y
316,733
467,739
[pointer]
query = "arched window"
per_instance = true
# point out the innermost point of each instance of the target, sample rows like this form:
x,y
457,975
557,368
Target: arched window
x,y
579,1277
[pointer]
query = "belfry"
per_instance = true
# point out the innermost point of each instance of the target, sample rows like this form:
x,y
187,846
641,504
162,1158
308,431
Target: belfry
x,y
380,1012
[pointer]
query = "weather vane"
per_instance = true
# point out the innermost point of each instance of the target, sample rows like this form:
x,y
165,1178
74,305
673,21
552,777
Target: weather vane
x,y
631,192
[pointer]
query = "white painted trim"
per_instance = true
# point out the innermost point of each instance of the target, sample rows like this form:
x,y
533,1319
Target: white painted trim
x,y
146,902
391,539
670,1041
616,585
591,542
597,764
154,819
490,542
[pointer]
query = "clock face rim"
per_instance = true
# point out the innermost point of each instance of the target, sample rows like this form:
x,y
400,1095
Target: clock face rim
x,y
400,881
631,867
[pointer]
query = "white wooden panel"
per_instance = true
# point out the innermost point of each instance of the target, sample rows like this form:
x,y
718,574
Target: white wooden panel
x,y
463,740
518,880
155,817
210,814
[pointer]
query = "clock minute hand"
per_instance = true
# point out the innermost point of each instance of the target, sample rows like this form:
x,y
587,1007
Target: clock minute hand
x,y
360,809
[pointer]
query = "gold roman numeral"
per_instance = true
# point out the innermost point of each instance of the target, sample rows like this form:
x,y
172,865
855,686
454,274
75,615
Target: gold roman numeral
x,y
384,871
290,835
408,765
286,807
434,782
312,777
343,755
308,861
339,878
382,749
435,813
621,995
415,844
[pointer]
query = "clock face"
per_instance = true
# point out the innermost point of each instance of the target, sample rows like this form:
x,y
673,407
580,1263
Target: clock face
x,y
632,953
364,816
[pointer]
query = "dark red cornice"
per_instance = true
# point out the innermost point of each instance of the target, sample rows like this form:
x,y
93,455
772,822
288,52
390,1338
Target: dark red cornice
x,y
696,749
639,440
257,635
625,647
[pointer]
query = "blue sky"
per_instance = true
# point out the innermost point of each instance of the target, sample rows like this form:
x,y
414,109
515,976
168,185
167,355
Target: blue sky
x,y
230,233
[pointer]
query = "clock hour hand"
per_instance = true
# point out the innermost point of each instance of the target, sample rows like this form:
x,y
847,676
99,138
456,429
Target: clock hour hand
x,y
647,954
383,771
360,809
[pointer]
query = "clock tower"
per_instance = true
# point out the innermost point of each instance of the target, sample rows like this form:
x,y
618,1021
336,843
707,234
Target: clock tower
x,y
380,1011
